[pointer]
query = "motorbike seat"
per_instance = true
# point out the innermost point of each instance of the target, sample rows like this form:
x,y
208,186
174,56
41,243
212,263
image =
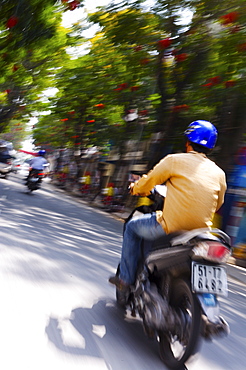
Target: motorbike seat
x,y
164,241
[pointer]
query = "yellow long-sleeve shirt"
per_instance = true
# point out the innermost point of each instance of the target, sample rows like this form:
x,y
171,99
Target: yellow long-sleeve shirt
x,y
195,190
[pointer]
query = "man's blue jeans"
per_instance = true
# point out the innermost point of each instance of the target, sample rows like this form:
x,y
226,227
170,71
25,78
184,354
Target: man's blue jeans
x,y
145,227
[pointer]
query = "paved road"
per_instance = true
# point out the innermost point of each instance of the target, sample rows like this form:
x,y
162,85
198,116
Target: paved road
x,y
57,309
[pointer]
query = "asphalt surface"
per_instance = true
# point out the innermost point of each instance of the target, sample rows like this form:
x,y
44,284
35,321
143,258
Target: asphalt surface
x,y
57,309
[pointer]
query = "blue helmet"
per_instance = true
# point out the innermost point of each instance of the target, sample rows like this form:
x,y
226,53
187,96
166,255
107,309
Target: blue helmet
x,y
203,133
42,153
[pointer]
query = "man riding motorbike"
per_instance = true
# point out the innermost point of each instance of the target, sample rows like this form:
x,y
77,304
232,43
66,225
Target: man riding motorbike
x,y
37,163
195,191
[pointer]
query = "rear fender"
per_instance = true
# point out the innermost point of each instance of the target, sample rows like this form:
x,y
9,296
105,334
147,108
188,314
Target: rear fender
x,y
210,306
214,325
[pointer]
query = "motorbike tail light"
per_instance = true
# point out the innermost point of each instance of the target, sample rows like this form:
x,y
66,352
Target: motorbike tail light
x,y
212,251
40,174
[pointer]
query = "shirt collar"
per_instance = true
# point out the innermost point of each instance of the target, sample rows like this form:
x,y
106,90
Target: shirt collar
x,y
202,154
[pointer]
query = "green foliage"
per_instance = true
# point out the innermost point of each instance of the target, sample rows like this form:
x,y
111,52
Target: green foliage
x,y
200,74
172,70
32,47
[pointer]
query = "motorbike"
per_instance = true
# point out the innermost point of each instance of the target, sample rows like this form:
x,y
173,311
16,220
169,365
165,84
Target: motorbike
x,y
177,289
34,180
112,203
5,168
6,149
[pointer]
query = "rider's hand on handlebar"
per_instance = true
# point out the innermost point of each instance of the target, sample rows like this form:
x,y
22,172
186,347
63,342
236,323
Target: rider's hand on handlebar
x,y
130,187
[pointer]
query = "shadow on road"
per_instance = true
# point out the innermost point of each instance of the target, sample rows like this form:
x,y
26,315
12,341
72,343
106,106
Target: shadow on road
x,y
104,329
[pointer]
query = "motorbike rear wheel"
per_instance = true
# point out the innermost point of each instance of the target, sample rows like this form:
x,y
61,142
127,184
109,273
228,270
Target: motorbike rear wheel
x,y
176,348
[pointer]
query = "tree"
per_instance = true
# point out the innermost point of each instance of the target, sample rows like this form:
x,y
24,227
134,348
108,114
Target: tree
x,y
188,61
99,88
32,45
169,71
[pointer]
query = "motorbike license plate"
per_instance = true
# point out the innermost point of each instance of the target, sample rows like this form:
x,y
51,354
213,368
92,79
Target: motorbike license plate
x,y
209,279
34,179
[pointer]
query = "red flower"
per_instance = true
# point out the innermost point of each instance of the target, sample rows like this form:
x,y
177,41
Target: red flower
x,y
15,67
143,112
123,86
215,80
72,112
163,44
99,106
73,5
229,18
64,119
12,21
138,48
144,61
91,121
230,83
209,84
134,88
181,57
7,91
241,47
178,108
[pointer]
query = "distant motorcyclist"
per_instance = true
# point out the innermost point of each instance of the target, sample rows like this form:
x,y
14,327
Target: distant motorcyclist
x,y
195,191
37,163
4,154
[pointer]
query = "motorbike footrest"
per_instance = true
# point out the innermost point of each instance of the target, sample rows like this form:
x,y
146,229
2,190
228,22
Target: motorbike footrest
x,y
218,330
